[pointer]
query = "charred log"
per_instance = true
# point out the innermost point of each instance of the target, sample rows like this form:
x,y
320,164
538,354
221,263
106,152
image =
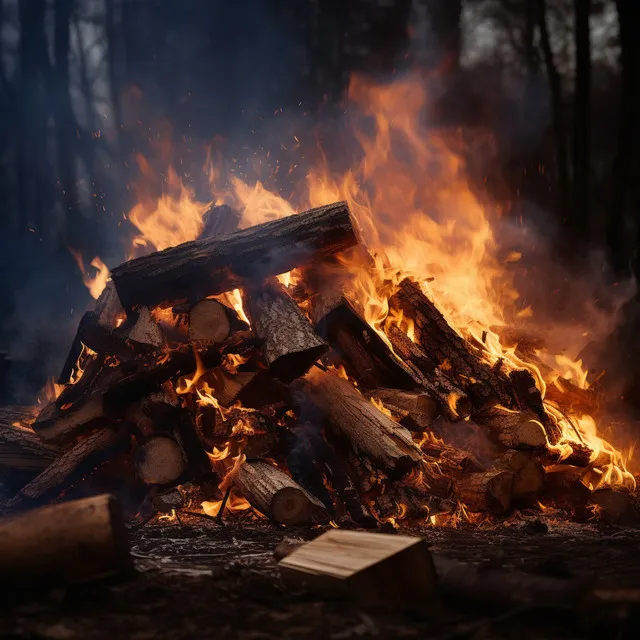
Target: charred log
x,y
291,346
210,266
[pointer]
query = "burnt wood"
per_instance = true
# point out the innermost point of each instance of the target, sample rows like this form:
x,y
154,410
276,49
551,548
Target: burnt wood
x,y
290,345
204,267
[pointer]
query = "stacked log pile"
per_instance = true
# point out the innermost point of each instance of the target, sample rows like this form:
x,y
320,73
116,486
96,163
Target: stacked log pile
x,y
292,403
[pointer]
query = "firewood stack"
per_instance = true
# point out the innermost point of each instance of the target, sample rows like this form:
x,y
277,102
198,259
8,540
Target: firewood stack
x,y
198,365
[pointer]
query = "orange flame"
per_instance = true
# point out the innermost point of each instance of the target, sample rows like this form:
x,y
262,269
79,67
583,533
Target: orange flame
x,y
97,282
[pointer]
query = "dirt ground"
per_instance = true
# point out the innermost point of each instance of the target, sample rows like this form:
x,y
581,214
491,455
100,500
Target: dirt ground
x,y
197,579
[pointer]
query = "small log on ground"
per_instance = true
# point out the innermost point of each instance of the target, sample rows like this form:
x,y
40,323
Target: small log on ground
x,y
453,401
415,409
71,466
485,385
490,491
20,447
528,473
210,266
374,568
364,354
159,460
369,431
277,496
211,321
70,543
291,346
513,429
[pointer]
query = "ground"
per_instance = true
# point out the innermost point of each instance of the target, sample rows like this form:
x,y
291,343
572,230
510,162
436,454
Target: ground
x,y
197,579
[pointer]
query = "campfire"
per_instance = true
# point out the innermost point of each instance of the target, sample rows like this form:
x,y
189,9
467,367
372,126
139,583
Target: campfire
x,y
309,368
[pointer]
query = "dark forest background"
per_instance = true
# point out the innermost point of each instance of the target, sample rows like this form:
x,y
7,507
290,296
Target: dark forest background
x,y
85,84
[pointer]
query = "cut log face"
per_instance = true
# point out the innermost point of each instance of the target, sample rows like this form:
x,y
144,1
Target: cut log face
x,y
209,266
528,473
277,496
514,429
375,568
159,460
65,544
209,322
490,491
146,331
368,430
415,409
291,346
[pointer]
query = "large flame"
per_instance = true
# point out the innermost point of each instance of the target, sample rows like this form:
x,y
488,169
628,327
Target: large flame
x,y
419,218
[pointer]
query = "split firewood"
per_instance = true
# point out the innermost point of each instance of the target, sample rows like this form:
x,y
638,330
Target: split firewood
x,y
368,431
490,491
456,581
159,460
219,220
366,357
210,266
513,429
453,401
277,496
229,387
564,487
64,544
211,321
415,410
54,425
374,568
291,346
254,389
144,330
485,385
528,473
71,466
20,447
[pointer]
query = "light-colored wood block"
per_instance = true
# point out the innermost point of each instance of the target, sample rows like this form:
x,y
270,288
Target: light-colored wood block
x,y
370,567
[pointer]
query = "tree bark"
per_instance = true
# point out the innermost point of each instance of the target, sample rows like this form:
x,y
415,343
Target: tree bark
x,y
291,346
205,267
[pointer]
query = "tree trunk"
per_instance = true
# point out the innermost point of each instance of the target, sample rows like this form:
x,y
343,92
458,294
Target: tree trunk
x,y
581,221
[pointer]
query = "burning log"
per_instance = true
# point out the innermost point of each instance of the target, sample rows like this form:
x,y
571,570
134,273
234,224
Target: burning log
x,y
528,473
211,321
513,429
277,496
291,346
415,409
490,491
486,385
229,387
375,568
71,466
65,544
159,460
210,266
452,400
364,354
117,388
356,419
20,447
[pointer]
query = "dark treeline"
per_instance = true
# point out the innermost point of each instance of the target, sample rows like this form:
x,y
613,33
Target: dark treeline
x,y
86,84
